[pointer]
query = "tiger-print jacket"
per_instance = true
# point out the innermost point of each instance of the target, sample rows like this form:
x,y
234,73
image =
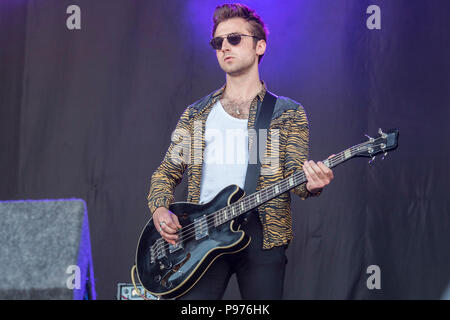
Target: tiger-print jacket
x,y
186,152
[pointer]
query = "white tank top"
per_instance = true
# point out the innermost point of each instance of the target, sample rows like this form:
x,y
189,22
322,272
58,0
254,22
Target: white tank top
x,y
225,157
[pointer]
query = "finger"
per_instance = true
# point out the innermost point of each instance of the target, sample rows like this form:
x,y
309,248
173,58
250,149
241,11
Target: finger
x,y
157,219
156,222
312,183
172,242
331,156
163,234
317,171
176,222
168,236
310,175
317,176
307,167
169,226
323,173
327,171
172,222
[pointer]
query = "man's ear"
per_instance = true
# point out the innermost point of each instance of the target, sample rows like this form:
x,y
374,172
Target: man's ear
x,y
260,47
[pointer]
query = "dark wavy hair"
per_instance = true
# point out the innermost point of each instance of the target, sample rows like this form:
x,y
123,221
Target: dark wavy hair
x,y
237,10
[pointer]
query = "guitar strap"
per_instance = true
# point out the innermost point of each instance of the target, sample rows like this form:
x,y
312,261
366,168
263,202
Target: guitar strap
x,y
258,146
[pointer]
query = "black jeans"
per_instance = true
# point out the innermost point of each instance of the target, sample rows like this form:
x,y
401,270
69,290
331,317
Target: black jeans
x,y
260,273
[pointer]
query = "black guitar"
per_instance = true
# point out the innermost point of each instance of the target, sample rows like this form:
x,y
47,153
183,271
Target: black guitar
x,y
211,229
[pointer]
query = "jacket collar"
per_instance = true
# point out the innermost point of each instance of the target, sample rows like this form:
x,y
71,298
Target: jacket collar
x,y
204,103
260,94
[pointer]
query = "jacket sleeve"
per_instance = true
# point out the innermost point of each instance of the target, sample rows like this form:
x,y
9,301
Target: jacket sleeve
x,y
170,171
297,148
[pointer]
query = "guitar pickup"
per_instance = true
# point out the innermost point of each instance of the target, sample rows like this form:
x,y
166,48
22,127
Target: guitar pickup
x,y
201,228
177,246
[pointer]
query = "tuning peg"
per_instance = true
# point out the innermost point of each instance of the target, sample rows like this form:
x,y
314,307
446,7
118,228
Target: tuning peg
x,y
371,161
384,155
380,132
370,138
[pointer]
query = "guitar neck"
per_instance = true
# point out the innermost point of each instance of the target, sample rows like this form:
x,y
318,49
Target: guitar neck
x,y
254,200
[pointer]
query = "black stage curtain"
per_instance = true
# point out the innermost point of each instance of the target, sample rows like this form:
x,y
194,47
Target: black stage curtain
x,y
88,113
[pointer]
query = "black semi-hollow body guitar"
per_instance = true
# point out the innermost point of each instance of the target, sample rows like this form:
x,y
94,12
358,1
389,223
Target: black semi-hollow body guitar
x,y
212,229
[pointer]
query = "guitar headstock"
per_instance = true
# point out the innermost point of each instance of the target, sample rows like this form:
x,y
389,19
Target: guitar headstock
x,y
386,141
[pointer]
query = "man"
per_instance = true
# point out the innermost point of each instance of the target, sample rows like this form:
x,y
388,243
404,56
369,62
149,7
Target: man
x,y
239,38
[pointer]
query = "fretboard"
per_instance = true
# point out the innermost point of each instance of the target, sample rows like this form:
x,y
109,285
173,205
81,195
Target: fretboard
x,y
254,200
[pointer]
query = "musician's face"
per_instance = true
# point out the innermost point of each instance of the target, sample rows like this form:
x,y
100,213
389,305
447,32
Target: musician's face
x,y
243,56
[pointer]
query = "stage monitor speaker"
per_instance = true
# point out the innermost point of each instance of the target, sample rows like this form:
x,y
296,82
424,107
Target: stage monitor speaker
x,y
45,250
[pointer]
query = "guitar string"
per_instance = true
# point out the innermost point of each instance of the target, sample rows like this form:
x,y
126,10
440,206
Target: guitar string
x,y
186,233
250,201
203,224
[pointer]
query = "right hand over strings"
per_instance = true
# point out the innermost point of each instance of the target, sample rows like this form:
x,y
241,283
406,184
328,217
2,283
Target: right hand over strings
x,y
167,224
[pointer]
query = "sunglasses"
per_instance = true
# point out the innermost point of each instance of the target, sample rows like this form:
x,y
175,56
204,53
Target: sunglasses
x,y
233,38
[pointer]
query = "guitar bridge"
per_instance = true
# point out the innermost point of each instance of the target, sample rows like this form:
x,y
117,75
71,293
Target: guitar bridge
x,y
157,251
